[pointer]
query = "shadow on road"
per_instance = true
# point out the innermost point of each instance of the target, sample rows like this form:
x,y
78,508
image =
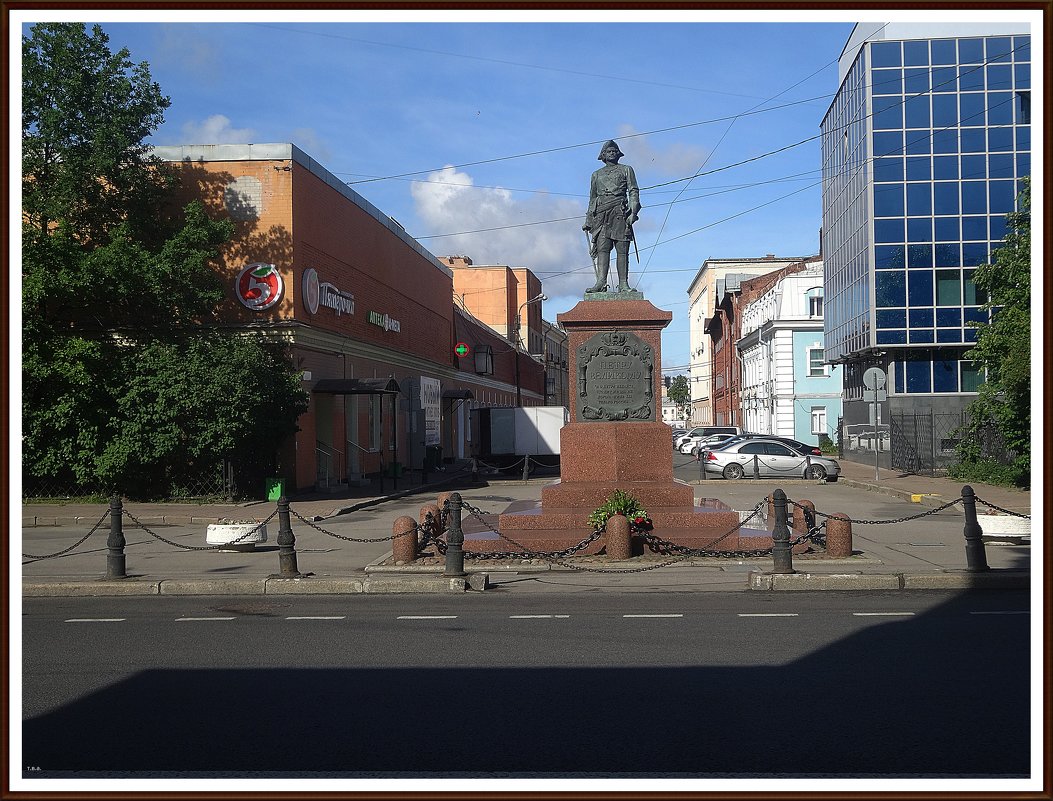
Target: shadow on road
x,y
944,693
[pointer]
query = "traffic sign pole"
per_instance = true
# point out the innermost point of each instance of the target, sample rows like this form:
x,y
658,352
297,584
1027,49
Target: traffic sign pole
x,y
874,381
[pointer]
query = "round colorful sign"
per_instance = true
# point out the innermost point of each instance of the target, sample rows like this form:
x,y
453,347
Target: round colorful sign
x,y
259,286
311,290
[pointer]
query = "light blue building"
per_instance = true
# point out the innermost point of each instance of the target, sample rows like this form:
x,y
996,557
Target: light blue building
x,y
924,148
787,387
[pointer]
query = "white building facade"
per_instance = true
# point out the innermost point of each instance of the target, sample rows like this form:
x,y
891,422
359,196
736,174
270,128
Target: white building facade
x,y
787,388
702,299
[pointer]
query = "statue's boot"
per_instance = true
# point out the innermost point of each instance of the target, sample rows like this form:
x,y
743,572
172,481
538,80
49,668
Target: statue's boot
x,y
623,278
600,285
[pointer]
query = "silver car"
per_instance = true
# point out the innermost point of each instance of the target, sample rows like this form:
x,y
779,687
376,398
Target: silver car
x,y
767,457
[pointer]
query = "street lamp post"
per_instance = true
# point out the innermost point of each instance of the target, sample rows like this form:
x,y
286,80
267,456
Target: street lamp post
x,y
519,341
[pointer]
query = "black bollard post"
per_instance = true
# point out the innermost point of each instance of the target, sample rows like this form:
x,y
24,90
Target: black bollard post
x,y
286,542
115,560
475,470
781,554
975,552
756,466
455,539
526,467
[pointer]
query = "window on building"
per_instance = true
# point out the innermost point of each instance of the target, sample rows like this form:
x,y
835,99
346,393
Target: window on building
x,y
972,376
818,419
815,301
1023,108
815,362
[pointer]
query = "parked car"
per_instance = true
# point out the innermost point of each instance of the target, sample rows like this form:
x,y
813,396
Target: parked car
x,y
694,445
678,433
705,431
769,457
802,448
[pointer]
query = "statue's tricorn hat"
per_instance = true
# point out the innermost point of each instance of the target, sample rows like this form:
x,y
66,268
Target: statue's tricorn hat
x,y
610,143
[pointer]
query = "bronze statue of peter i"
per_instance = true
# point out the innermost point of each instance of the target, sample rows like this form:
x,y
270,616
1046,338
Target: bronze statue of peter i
x,y
614,205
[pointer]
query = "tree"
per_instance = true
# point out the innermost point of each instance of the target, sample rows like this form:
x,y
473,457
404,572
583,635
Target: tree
x,y
120,367
679,392
1003,349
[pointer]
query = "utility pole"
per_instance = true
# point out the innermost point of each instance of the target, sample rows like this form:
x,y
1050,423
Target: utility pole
x,y
518,341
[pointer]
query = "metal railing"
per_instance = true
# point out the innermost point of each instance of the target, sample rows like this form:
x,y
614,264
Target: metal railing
x,y
330,463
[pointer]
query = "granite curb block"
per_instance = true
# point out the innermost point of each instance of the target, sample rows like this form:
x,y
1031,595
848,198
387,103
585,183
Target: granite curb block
x,y
388,584
220,586
931,501
65,589
949,580
963,579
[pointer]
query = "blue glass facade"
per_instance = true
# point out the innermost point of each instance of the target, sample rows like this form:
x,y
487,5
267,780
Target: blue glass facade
x,y
924,149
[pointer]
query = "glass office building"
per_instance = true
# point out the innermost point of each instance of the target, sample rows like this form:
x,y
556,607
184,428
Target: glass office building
x,y
924,148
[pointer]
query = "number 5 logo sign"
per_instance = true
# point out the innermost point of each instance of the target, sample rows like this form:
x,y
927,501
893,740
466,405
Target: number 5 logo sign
x,y
259,286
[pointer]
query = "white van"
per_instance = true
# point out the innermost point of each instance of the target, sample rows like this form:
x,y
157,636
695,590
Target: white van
x,y
704,431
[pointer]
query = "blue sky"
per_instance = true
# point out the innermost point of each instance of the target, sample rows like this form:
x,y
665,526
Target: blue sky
x,y
444,110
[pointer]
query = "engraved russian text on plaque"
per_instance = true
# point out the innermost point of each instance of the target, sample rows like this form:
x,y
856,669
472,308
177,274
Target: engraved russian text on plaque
x,y
615,378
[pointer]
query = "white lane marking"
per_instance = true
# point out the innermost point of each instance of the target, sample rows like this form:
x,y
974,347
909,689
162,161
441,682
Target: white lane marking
x,y
768,614
1008,612
883,614
427,617
201,619
95,620
652,615
538,617
317,617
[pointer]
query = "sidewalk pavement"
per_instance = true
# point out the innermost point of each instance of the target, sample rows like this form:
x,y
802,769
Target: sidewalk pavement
x,y
344,564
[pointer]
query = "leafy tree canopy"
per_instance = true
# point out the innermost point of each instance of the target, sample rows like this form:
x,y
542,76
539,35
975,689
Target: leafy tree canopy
x,y
679,392
1003,348
125,383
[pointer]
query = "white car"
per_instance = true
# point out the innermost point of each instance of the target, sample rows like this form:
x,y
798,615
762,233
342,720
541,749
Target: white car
x,y
693,444
768,457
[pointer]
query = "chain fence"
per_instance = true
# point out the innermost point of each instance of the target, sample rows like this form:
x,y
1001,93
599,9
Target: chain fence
x,y
235,541
432,532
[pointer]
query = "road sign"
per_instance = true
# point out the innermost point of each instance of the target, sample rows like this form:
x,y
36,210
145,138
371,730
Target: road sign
x,y
462,350
874,378
874,395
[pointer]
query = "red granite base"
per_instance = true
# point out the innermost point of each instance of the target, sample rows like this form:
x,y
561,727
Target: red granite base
x,y
541,529
589,495
615,452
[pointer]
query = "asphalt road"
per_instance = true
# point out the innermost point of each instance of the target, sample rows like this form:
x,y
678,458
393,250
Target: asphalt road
x,y
673,685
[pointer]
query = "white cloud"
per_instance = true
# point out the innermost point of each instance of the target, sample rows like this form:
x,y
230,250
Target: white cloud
x,y
449,203
307,139
187,48
677,159
216,130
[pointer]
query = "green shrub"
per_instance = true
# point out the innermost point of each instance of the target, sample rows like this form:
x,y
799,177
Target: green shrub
x,y
988,471
619,502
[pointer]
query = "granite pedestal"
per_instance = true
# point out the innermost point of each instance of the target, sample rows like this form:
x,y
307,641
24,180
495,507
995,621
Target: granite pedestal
x,y
615,441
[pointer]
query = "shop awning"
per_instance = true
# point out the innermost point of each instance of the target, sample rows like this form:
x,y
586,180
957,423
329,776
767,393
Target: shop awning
x,y
357,386
457,394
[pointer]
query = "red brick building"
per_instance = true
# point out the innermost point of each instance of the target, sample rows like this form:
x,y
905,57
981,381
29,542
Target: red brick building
x,y
734,292
367,312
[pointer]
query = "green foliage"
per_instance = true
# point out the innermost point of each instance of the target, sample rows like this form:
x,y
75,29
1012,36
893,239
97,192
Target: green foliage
x,y
86,112
989,471
623,503
827,445
679,392
186,403
1003,349
124,385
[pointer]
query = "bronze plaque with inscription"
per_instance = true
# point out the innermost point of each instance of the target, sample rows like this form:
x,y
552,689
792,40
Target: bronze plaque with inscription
x,y
615,378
